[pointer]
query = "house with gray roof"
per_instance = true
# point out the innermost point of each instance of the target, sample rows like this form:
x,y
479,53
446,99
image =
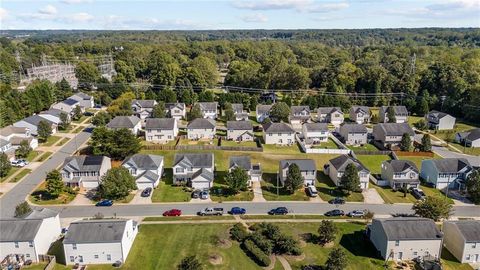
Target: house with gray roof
x,y
143,108
446,172
405,238
240,113
353,134
278,133
462,239
400,113
244,162
32,122
240,131
335,168
68,106
161,130
469,138
390,134
7,149
332,115
54,115
262,112
194,169
299,115
176,110
201,128
131,123
147,169
360,114
99,241
439,120
84,100
315,133
15,136
308,169
209,109
84,171
400,174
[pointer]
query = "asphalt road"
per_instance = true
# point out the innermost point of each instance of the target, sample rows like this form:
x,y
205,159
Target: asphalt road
x,y
445,153
19,193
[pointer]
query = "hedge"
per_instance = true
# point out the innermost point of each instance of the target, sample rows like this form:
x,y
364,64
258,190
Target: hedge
x,y
238,232
256,253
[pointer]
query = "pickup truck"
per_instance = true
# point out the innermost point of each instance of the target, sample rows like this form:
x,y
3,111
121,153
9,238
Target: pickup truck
x,y
209,211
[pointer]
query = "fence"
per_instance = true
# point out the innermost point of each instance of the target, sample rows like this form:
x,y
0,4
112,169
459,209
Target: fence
x,y
52,260
380,183
327,151
414,154
372,152
202,147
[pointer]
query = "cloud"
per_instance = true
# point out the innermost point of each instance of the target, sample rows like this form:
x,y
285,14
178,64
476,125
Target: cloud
x,y
254,18
120,22
328,7
48,10
3,14
273,4
79,17
455,4
445,10
72,2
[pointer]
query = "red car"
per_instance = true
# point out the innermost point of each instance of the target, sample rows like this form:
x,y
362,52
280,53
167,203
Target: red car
x,y
172,213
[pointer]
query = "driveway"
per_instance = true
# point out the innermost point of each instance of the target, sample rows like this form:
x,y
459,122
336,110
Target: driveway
x,y
371,195
257,192
138,199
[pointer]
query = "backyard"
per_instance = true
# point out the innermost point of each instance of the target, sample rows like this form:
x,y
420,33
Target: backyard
x,y
329,144
365,147
373,162
213,142
235,143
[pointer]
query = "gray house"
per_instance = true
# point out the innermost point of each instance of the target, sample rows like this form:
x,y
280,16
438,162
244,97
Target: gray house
x,y
244,163
143,108
176,110
240,114
332,115
32,123
299,114
469,138
85,101
195,170
147,169
315,133
451,172
131,123
336,168
462,239
360,114
439,120
53,115
161,129
400,173
209,109
278,133
308,169
68,105
262,112
240,131
400,112
353,134
84,171
201,128
390,134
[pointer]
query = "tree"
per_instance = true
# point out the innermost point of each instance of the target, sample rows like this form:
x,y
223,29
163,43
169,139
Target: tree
x,y
101,118
337,260
327,232
206,96
163,69
77,113
44,130
237,179
473,186
423,106
23,150
420,124
87,75
280,112
159,110
194,113
64,121
167,95
433,207
117,144
229,115
426,145
350,181
406,142
22,209
5,165
391,115
190,263
55,184
294,178
116,184
63,90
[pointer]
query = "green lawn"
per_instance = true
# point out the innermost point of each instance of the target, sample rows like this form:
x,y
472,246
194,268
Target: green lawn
x,y
78,129
68,130
467,150
329,144
269,190
221,192
213,142
365,147
32,155
51,141
235,143
20,175
127,199
81,119
435,193
327,190
224,217
166,192
285,149
44,156
40,196
373,162
449,262
169,143
10,173
390,196
62,141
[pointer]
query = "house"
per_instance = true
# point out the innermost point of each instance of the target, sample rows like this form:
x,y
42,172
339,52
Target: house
x,y
240,114
278,133
68,106
451,172
7,149
462,239
15,135
469,138
336,168
195,170
99,241
131,123
161,129
31,236
390,134
84,171
400,173
143,108
299,114
308,169
84,100
53,115
353,134
201,128
147,169
244,163
240,131
360,114
32,122
209,109
332,115
262,112
439,120
314,133
400,112
176,110
405,238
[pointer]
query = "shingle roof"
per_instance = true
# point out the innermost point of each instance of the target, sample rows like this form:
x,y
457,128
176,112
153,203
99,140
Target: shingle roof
x,y
303,164
9,130
237,107
19,230
356,109
395,129
144,103
41,214
169,106
239,125
402,165
353,128
298,109
316,127
95,231
470,229
473,134
54,112
201,123
36,119
195,159
409,229
84,163
398,110
70,101
341,162
449,165
278,127
144,162
437,114
160,123
209,106
81,95
243,162
123,122
203,173
328,110
3,142
261,109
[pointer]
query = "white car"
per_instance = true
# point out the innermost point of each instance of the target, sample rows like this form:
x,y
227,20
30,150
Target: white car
x,y
18,163
356,213
312,191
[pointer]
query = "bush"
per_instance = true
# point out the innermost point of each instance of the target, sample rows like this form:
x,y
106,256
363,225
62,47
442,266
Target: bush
x,y
262,242
256,253
285,244
238,232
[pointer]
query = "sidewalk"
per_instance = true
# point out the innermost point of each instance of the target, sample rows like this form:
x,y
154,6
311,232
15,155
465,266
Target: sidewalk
x,y
257,192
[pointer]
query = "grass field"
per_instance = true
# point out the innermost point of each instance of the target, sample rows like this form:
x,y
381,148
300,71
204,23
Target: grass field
x,y
269,190
166,192
41,197
467,150
10,173
44,156
221,192
418,160
32,155
451,263
329,144
327,190
81,119
284,149
62,141
235,143
213,142
390,196
20,175
51,140
373,162
365,147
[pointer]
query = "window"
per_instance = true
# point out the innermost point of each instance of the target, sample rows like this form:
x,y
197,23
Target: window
x,y
80,258
74,246
16,244
474,245
179,170
397,243
95,256
109,257
72,259
27,255
467,257
415,253
30,244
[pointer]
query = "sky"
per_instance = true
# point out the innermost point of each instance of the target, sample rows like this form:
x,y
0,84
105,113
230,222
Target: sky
x,y
236,14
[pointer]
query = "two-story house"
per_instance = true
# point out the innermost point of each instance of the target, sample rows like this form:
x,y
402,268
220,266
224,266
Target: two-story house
x,y
201,128
68,106
84,171
84,100
470,138
353,134
462,239
262,112
332,115
209,109
335,168
194,169
307,167
451,172
439,120
400,173
32,123
242,162
15,135
147,169
400,113
405,238
240,114
176,110
390,134
315,133
131,123
299,115
360,114
278,133
143,108
54,115
240,131
161,130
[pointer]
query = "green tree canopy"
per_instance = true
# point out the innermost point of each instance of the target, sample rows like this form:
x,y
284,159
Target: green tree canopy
x,y
87,75
350,181
159,110
406,143
391,115
280,112
116,184
55,184
327,232
190,263
117,144
433,207
5,165
237,179
337,260
426,145
194,113
473,186
22,209
101,118
294,178
44,130
23,150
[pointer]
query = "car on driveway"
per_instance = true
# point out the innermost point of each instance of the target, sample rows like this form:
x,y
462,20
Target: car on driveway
x,y
237,211
196,194
356,213
311,191
278,211
337,200
204,195
335,213
418,193
172,213
146,192
105,203
17,163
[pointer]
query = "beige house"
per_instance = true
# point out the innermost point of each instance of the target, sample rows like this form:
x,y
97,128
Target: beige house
x,y
462,239
299,115
400,173
278,133
240,131
336,168
201,128
307,167
390,134
131,123
240,114
262,112
353,134
143,108
360,114
161,130
209,109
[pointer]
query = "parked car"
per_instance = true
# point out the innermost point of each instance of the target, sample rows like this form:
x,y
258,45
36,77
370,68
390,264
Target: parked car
x,y
312,191
17,163
105,203
172,213
335,213
356,213
418,193
211,211
146,192
278,211
238,211
337,200
204,195
24,161
196,194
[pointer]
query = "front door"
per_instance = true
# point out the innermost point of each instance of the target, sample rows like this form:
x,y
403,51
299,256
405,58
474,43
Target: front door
x,y
400,255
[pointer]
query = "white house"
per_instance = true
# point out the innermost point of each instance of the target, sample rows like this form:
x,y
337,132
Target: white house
x,y
209,109
400,113
360,114
85,101
470,138
68,105
400,173
30,236
15,135
99,241
131,123
32,122
6,148
315,132
176,110
147,169
201,128
353,134
240,131
84,171
439,120
332,115
307,167
462,239
240,114
278,133
143,108
243,162
451,172
336,168
161,129
262,112
194,169
299,115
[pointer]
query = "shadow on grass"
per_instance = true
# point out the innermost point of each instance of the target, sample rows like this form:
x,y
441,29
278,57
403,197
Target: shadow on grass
x,y
271,180
359,245
56,249
43,195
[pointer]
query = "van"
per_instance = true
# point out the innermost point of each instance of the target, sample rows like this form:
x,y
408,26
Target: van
x,y
312,191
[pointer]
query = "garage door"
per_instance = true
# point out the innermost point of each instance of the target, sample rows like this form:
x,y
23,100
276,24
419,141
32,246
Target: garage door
x,y
144,185
200,185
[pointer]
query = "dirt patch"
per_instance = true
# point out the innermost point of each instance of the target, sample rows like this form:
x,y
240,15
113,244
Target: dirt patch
x,y
298,258
302,243
215,259
329,245
224,243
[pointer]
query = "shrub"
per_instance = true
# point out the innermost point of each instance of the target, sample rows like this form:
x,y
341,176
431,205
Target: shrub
x,y
238,232
262,242
256,253
285,244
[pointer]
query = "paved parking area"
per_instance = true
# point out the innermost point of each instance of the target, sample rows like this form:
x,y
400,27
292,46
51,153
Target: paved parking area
x,y
371,196
138,199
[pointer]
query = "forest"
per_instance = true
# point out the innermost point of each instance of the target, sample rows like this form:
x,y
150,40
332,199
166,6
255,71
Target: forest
x,y
422,69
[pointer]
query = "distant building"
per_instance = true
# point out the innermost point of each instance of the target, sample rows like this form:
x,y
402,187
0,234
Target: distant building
x,y
201,128
315,133
307,167
143,108
332,115
262,112
84,171
400,112
54,115
439,120
243,162
15,135
240,114
85,101
390,134
176,110
32,122
240,131
278,133
68,106
353,134
209,109
131,123
299,115
462,239
360,114
53,73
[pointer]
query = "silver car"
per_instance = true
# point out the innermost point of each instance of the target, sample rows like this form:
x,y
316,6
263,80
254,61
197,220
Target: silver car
x,y
356,213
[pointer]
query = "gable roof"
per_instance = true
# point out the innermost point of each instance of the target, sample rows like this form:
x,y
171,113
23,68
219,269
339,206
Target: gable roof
x,y
402,165
70,101
237,107
123,122
80,95
470,229
409,228
19,230
144,162
261,108
398,110
243,162
84,163
278,127
449,165
357,109
204,160
170,106
473,134
36,119
303,164
353,128
54,112
316,127
239,125
341,162
160,123
329,110
202,173
395,129
437,114
95,231
9,130
41,214
200,123
4,142
298,109
144,103
208,106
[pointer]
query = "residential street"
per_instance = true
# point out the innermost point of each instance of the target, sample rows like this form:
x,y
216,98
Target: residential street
x,y
445,153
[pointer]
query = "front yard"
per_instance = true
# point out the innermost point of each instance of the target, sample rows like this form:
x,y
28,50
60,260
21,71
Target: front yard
x,y
40,196
390,196
51,140
327,190
220,191
23,172
167,192
269,190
